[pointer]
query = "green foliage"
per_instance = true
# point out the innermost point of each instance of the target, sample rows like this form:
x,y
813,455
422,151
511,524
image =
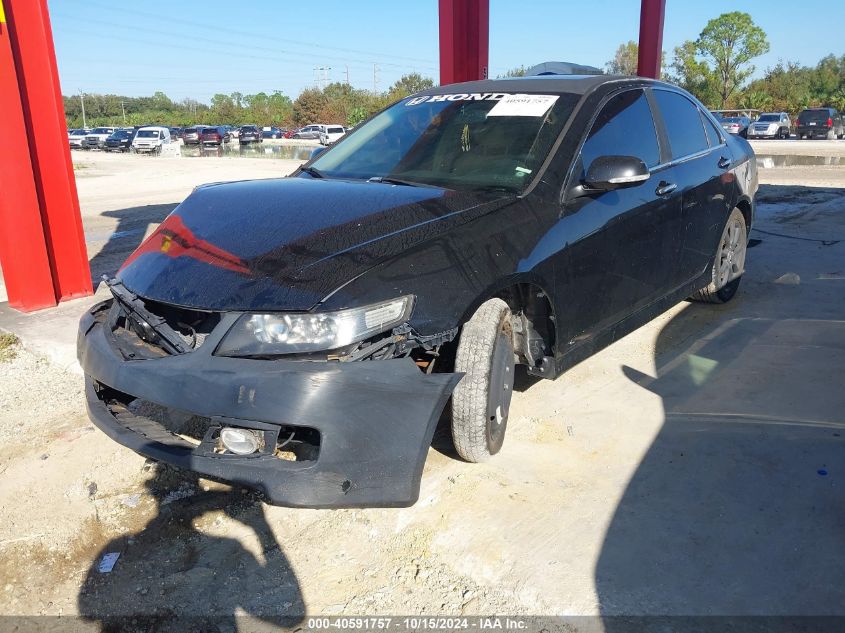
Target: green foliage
x,y
336,103
694,75
730,42
408,85
519,71
625,60
792,87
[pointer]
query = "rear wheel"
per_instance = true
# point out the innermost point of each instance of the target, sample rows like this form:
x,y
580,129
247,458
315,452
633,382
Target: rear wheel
x,y
481,401
729,263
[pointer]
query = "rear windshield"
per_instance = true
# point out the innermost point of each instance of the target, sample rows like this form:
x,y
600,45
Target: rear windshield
x,y
248,128
732,119
190,130
147,134
459,141
767,118
335,130
101,130
814,115
210,130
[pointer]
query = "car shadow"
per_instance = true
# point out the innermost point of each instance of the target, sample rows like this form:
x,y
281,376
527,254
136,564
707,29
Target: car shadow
x,y
205,561
132,225
736,507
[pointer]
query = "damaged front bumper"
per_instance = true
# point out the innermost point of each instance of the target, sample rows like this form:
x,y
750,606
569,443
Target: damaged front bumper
x,y
369,424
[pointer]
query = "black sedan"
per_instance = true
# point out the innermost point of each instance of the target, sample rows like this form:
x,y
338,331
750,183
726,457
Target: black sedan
x,y
315,326
119,141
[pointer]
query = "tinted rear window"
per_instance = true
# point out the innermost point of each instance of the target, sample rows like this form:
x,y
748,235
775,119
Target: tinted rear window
x,y
335,130
248,128
683,123
814,115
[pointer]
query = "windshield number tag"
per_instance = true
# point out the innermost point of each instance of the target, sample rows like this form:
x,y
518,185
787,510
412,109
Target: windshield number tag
x,y
523,105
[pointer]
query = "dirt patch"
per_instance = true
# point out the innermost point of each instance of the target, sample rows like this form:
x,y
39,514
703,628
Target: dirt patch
x,y
8,346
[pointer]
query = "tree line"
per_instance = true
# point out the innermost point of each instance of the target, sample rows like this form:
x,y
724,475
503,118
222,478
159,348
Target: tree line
x,y
716,68
335,103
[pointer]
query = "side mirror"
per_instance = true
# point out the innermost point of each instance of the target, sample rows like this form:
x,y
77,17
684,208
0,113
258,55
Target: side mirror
x,y
606,173
317,151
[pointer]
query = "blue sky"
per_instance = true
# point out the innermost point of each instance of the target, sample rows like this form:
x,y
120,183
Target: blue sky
x,y
195,48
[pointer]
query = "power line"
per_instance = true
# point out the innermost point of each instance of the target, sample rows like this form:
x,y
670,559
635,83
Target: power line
x,y
277,54
216,29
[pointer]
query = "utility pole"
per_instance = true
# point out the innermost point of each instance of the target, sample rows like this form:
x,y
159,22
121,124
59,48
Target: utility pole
x,y
122,109
375,78
82,101
347,74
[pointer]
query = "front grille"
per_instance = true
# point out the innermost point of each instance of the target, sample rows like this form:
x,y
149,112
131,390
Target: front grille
x,y
137,341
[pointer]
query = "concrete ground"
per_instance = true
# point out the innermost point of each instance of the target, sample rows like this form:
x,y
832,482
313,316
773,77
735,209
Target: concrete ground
x,y
691,468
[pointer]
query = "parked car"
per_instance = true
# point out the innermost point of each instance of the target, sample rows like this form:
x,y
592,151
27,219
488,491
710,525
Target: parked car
x,y
249,134
234,131
176,133
76,137
314,326
308,132
151,139
192,134
331,133
119,141
736,125
770,125
214,136
272,132
96,138
825,122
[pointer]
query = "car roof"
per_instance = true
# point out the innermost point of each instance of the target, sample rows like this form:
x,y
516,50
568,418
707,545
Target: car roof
x,y
154,127
575,84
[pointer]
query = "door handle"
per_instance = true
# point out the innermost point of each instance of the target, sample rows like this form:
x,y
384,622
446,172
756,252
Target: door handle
x,y
665,188
724,163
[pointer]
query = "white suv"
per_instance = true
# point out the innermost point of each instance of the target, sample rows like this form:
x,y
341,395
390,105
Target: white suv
x,y
331,133
151,139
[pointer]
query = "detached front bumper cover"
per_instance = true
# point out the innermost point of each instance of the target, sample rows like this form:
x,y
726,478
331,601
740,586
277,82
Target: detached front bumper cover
x,y
375,418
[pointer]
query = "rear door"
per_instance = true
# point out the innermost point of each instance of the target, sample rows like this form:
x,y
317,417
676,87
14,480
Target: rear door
x,y
700,166
623,244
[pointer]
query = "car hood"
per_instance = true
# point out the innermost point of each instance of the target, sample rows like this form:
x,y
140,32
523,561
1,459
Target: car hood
x,y
285,244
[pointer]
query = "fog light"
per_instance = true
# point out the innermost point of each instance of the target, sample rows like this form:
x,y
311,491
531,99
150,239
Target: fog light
x,y
239,441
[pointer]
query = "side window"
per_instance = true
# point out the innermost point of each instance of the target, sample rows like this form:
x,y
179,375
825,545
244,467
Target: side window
x,y
683,123
624,127
713,136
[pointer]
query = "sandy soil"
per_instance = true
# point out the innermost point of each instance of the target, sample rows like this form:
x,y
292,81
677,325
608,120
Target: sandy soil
x,y
527,533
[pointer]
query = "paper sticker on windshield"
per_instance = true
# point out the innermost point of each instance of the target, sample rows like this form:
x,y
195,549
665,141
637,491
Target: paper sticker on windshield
x,y
523,105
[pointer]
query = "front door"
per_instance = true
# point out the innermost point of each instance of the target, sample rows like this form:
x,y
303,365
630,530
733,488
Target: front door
x,y
622,246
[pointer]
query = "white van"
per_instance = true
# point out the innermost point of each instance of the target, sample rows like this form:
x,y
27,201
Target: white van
x,y
151,139
331,133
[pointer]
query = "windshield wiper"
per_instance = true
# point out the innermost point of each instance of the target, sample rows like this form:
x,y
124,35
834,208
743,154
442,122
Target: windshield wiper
x,y
312,171
397,181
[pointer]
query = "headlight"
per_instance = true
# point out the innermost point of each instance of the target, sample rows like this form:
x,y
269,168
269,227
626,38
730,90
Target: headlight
x,y
301,332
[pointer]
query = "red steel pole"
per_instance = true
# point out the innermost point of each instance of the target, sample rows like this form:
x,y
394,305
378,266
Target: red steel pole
x,y
652,14
23,249
41,97
464,40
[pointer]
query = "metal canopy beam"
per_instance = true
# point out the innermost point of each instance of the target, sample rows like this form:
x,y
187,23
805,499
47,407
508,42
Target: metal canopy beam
x,y
42,244
650,57
464,40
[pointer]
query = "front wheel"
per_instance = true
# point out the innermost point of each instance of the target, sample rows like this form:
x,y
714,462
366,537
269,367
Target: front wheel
x,y
481,401
729,263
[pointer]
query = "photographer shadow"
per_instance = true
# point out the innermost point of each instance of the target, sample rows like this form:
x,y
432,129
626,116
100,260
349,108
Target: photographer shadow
x,y
178,573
